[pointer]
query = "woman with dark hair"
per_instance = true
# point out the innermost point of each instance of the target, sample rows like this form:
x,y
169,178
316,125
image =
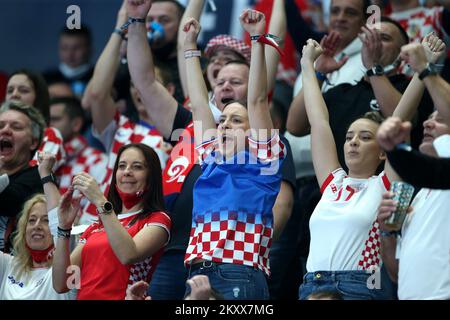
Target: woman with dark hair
x,y
124,246
30,88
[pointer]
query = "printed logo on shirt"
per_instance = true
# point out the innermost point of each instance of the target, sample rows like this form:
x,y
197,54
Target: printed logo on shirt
x,y
14,281
177,168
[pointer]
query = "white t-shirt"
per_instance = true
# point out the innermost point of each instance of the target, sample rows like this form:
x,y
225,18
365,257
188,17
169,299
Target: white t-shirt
x,y
37,286
424,250
344,232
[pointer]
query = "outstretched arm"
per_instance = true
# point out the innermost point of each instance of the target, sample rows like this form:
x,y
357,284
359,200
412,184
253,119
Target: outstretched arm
x,y
323,146
204,124
277,27
98,92
160,104
193,10
254,23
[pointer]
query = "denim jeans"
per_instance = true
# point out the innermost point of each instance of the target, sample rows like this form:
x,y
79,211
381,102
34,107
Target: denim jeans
x,y
169,279
233,281
350,285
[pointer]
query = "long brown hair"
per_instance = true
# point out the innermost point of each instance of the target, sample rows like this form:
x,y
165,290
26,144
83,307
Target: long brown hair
x,y
153,197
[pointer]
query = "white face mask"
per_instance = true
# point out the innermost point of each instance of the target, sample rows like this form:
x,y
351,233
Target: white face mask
x,y
71,73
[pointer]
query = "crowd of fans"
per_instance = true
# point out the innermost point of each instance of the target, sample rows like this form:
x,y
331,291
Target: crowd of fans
x,y
169,172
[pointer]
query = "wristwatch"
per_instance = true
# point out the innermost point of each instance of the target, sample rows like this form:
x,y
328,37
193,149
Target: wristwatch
x,y
106,208
377,70
50,178
431,69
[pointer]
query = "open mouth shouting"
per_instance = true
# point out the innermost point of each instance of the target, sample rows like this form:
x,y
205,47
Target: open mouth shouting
x,y
6,147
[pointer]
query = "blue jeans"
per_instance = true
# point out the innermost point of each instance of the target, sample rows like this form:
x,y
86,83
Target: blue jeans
x,y
233,281
169,279
350,285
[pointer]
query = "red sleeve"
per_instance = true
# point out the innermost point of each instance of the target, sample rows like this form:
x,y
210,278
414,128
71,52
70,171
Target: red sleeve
x,y
206,148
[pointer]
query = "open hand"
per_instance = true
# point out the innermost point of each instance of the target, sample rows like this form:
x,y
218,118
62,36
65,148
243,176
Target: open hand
x,y
87,185
326,62
372,48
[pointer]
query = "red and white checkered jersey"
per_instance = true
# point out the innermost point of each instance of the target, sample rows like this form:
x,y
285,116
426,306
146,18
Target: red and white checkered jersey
x,y
418,22
103,276
344,231
232,219
81,158
52,143
124,131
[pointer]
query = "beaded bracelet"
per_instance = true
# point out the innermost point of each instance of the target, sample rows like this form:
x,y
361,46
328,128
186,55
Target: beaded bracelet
x,y
131,21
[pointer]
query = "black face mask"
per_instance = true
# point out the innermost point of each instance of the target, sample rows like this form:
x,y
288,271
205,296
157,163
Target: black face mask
x,y
165,52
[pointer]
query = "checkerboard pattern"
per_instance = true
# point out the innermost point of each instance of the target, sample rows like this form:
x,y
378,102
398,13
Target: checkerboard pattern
x,y
81,158
52,143
141,271
226,236
268,151
370,257
230,42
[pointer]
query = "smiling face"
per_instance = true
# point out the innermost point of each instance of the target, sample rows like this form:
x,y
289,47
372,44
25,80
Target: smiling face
x,y
37,234
232,84
20,88
132,171
347,18
434,127
363,155
16,139
232,129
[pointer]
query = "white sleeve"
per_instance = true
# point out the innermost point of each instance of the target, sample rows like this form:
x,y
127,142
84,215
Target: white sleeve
x,y
107,136
442,146
4,182
53,223
5,260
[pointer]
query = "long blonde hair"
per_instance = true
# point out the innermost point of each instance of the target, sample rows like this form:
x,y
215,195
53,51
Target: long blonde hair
x,y
22,257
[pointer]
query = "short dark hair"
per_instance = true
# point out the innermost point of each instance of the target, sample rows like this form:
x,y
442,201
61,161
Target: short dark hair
x,y
153,196
179,6
42,100
72,106
399,27
83,31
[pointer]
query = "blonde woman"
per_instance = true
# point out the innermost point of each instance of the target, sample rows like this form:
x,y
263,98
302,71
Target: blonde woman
x,y
28,274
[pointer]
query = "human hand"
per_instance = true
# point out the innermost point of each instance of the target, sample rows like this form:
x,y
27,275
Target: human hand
x,y
87,185
138,8
326,62
254,22
386,209
137,291
372,48
200,288
122,15
435,48
392,132
192,29
311,51
68,209
414,55
46,162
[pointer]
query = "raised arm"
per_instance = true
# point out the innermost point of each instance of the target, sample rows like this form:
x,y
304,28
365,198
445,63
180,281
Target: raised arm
x,y
277,27
193,10
97,96
323,146
46,162
62,259
386,94
160,104
297,122
204,124
254,23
